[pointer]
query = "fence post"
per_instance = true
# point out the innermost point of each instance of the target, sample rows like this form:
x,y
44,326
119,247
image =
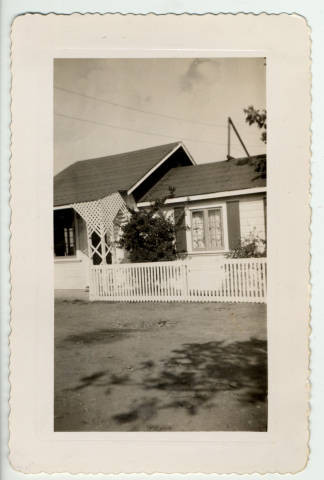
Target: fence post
x,y
91,282
185,290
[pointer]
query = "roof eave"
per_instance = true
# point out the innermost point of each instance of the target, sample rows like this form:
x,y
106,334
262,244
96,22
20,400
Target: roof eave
x,y
207,196
62,207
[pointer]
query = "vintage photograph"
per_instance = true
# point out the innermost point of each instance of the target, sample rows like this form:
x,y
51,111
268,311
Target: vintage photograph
x,y
160,245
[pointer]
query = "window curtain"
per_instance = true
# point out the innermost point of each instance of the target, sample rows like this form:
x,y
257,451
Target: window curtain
x,y
215,228
198,231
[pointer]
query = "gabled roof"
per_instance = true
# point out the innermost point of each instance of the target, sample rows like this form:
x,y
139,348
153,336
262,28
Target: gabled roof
x,y
234,174
96,178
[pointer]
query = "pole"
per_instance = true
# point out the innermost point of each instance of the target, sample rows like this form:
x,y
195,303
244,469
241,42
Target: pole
x,y
230,122
228,138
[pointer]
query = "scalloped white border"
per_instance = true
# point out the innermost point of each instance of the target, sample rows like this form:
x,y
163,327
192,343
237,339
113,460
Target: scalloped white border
x,y
285,41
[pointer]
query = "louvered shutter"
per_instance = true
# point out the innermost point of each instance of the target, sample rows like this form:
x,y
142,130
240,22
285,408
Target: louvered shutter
x,y
180,227
233,224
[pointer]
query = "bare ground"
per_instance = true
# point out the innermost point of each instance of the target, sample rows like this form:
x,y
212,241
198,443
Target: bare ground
x,y
160,367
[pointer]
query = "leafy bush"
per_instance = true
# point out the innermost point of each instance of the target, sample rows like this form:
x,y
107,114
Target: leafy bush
x,y
149,234
252,246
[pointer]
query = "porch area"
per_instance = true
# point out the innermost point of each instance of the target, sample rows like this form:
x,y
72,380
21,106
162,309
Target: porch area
x,y
86,234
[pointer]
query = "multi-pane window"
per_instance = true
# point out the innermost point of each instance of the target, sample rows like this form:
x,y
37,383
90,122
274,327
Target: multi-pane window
x,y
207,229
64,233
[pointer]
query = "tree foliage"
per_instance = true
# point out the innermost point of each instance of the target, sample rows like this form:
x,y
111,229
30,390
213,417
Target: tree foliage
x,y
150,233
258,117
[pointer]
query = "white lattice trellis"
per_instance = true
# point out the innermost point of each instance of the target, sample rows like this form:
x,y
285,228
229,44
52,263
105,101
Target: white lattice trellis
x,y
99,216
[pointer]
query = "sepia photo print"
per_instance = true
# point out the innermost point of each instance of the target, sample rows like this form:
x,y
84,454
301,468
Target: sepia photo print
x,y
160,244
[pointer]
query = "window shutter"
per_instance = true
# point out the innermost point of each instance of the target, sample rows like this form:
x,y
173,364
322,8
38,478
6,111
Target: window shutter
x,y
180,228
233,224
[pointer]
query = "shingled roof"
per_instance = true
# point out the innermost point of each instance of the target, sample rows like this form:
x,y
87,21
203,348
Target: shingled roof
x,y
93,179
234,174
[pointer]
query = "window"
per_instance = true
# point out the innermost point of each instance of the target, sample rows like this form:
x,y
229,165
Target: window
x,y
64,233
207,229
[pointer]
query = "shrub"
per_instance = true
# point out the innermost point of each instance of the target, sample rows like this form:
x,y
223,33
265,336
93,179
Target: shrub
x,y
251,246
149,234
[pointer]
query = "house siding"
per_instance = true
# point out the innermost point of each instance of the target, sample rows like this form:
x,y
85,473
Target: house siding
x,y
186,234
71,273
252,216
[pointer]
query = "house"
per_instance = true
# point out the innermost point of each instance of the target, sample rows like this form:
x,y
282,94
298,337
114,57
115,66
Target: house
x,y
90,195
218,204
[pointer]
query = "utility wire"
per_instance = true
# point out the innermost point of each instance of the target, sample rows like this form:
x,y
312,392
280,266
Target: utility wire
x,y
132,129
71,117
147,112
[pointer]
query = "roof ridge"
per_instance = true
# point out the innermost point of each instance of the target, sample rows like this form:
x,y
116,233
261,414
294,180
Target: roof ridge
x,y
211,177
89,179
202,164
225,162
127,152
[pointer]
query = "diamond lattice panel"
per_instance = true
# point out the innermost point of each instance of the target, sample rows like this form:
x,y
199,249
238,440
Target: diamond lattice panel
x,y
99,216
111,206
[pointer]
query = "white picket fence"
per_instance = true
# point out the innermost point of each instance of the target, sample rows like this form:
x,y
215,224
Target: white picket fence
x,y
228,280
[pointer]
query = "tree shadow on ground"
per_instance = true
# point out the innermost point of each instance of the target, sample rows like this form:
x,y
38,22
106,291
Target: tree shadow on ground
x,y
144,411
189,379
207,368
88,380
101,336
101,379
196,373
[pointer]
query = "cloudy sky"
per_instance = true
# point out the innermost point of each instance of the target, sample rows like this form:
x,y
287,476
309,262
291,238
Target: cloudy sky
x,y
107,106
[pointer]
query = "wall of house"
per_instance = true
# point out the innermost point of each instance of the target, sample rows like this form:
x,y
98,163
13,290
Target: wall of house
x,y
251,221
252,218
72,273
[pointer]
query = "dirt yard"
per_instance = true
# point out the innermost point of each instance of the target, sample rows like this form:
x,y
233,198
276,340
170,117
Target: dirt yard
x,y
160,367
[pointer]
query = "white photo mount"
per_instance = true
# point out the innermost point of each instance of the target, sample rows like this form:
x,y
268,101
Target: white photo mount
x,y
36,41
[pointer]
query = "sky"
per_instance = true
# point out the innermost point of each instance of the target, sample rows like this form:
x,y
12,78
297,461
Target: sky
x,y
108,106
